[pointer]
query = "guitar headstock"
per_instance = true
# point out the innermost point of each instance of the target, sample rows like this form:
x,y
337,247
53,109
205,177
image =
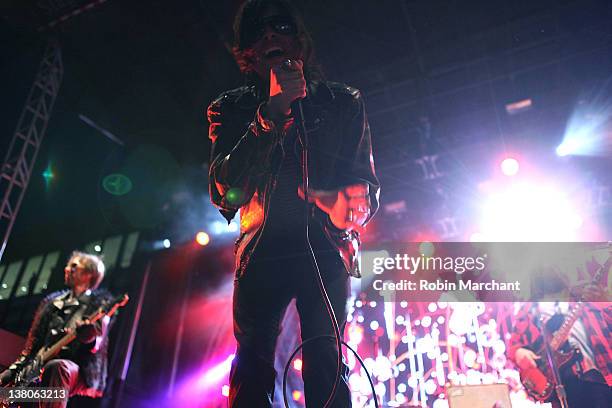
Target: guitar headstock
x,y
115,304
110,308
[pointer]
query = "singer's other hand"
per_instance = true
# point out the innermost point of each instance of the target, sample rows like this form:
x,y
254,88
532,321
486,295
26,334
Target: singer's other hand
x,y
287,84
347,208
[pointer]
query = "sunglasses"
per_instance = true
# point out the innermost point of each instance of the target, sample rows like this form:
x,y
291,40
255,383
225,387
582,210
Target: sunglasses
x,y
279,24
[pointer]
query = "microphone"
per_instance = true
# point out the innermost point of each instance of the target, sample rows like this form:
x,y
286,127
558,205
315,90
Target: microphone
x,y
297,110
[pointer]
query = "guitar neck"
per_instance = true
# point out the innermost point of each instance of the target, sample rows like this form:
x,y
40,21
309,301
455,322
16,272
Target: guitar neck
x,y
54,350
50,352
563,333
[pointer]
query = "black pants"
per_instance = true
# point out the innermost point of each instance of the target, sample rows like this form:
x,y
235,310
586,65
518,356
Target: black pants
x,y
261,297
592,392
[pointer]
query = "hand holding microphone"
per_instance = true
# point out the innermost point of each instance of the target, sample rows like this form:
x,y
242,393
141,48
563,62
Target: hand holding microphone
x,y
287,84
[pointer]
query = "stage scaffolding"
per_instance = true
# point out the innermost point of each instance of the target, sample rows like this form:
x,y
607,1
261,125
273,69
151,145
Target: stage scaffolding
x,y
21,155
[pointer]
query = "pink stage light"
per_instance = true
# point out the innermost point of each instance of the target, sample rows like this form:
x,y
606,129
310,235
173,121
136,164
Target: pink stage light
x,y
216,373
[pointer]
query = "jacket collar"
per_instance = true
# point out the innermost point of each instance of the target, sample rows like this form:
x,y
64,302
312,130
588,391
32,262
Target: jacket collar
x,y
67,300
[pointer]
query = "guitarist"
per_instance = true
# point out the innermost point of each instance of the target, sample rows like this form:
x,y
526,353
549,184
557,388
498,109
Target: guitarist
x,y
587,382
81,367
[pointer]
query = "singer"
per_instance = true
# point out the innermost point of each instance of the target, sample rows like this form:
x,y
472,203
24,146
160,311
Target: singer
x,y
256,167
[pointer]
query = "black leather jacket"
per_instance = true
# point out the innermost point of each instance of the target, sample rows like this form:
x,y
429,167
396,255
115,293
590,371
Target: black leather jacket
x,y
92,358
246,157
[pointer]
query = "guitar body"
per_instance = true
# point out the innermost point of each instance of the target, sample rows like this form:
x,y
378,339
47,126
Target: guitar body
x,y
538,381
30,373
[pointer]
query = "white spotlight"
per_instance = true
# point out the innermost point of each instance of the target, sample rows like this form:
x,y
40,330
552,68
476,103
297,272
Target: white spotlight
x,y
569,146
510,166
529,212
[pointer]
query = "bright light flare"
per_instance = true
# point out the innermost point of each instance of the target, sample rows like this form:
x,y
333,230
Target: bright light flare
x,y
220,227
588,129
216,373
510,166
296,395
529,212
202,238
297,364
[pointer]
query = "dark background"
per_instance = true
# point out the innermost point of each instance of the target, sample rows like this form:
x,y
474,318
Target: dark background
x,y
436,76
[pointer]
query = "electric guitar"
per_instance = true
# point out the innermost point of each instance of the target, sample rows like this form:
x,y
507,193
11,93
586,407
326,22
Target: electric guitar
x,y
29,373
538,381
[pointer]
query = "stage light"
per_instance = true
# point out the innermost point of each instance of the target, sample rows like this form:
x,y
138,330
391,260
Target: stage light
x,y
519,106
569,146
355,333
202,238
166,243
510,166
477,237
587,132
297,364
217,372
97,248
296,395
48,175
529,212
218,227
225,390
380,388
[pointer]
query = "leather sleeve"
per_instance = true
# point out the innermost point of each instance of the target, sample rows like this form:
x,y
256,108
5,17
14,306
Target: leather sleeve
x,y
524,332
238,158
357,150
36,334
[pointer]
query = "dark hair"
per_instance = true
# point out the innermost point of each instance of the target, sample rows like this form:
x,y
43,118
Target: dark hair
x,y
246,23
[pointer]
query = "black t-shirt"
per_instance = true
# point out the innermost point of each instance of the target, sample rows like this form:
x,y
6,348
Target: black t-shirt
x,y
285,231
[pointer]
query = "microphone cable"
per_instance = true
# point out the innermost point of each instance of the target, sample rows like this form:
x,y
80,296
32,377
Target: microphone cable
x,y
298,112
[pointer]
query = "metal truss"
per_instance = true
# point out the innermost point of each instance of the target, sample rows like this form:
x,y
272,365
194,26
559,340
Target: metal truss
x,y
21,155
